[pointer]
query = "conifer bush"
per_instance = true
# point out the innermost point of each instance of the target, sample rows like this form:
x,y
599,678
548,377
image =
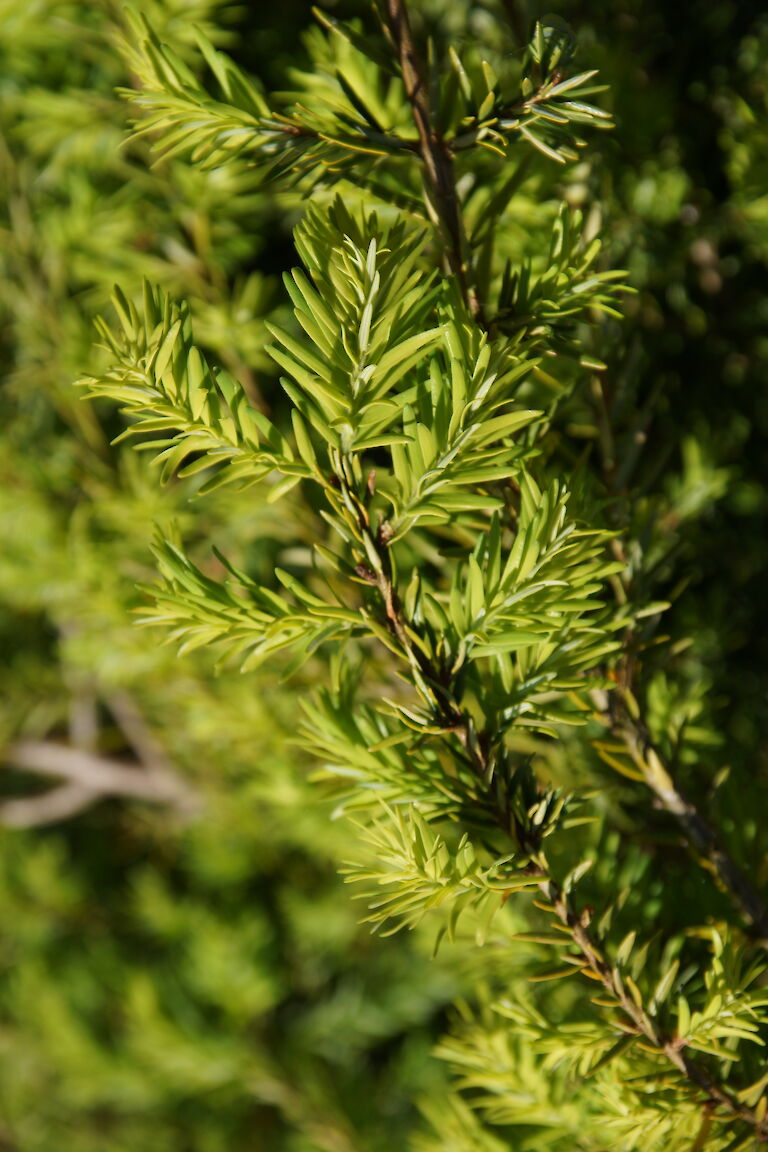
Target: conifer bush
x,y
461,533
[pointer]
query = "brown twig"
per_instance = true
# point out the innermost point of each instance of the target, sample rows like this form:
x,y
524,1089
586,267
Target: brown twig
x,y
375,568
460,724
435,155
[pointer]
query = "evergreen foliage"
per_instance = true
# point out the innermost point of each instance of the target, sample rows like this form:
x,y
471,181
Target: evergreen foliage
x,y
453,545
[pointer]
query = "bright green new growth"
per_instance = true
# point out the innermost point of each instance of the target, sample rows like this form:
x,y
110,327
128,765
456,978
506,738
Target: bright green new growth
x,y
452,581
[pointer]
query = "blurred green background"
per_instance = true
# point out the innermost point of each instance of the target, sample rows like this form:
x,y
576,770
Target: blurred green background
x,y
188,975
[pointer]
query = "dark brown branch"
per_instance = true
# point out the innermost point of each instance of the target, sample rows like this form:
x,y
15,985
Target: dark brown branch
x,y
462,727
457,722
435,155
448,713
375,568
627,724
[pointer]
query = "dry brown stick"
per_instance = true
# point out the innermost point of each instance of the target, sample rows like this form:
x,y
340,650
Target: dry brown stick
x,y
83,718
72,797
435,155
91,772
50,807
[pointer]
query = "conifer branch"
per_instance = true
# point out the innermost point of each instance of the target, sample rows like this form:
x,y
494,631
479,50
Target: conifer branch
x,y
596,965
436,156
512,619
477,747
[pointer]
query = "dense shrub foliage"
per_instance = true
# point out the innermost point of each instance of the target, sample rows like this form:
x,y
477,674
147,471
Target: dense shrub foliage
x,y
466,606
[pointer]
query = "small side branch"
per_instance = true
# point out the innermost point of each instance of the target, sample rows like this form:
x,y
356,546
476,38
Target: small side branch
x,y
436,688
637,1019
700,834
